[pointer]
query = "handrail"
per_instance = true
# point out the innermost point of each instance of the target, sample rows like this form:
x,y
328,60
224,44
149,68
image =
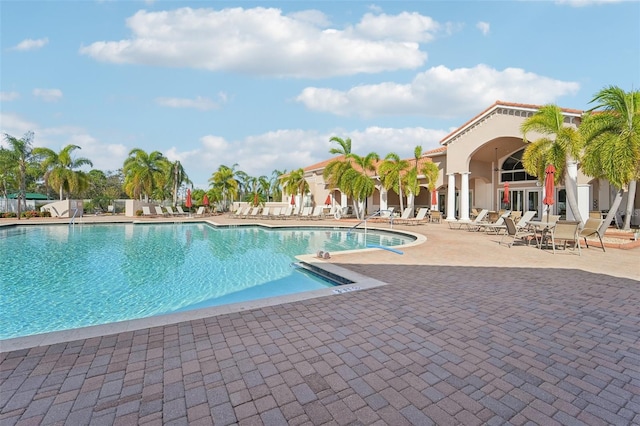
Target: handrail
x,y
73,218
378,213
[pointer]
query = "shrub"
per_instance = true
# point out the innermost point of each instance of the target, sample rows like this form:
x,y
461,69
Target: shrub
x,y
29,214
45,214
138,212
8,215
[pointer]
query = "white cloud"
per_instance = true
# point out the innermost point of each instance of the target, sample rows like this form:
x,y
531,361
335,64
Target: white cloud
x,y
199,102
48,95
30,44
484,27
263,41
9,96
404,27
439,92
294,148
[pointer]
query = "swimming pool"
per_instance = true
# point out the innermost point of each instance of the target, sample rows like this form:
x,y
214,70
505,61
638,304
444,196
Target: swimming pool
x,y
59,277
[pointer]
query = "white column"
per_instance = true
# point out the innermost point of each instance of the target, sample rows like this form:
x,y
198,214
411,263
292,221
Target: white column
x,y
383,198
343,199
464,197
411,202
451,197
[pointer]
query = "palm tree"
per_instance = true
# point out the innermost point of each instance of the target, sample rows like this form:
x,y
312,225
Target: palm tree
x,y
359,183
223,182
20,157
295,183
392,173
60,174
143,173
559,145
338,166
612,145
178,177
265,187
276,184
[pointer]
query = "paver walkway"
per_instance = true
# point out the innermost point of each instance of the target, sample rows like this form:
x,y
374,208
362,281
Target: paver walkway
x,y
441,344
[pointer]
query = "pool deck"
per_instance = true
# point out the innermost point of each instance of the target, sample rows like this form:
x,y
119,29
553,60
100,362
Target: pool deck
x,y
465,331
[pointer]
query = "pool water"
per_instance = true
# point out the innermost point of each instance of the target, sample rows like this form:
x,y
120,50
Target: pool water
x,y
60,277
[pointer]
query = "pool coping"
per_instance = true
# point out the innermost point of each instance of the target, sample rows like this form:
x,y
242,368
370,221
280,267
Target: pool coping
x,y
359,282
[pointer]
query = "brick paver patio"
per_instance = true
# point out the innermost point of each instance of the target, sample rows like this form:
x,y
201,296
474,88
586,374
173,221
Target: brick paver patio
x,y
441,344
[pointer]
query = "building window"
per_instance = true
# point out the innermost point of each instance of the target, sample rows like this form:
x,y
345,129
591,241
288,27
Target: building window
x,y
513,171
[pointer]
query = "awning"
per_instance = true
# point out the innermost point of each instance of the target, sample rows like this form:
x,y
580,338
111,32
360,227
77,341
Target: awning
x,y
29,196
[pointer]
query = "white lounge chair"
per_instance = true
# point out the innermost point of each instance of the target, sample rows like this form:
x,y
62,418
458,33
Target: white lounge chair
x,y
476,223
316,213
146,211
286,214
180,211
253,213
421,217
159,211
275,212
200,211
498,226
265,213
306,211
406,214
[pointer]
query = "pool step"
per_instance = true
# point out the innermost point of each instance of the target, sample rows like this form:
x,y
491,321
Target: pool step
x,y
326,275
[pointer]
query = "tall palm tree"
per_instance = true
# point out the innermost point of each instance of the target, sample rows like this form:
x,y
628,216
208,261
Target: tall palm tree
x,y
224,183
295,183
358,180
60,168
144,172
612,145
20,157
264,185
392,173
336,168
559,145
276,183
178,177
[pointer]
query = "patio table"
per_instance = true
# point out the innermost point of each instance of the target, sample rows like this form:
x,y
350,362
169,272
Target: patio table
x,y
541,228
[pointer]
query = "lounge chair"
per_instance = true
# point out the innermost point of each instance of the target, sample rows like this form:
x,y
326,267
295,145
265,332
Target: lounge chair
x,y
591,228
566,231
316,213
200,211
522,223
406,214
146,211
171,212
265,213
516,234
306,211
241,212
180,211
296,210
274,213
475,224
384,216
498,226
421,217
253,213
159,211
286,214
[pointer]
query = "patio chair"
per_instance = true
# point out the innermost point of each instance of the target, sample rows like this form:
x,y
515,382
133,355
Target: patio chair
x,y
274,213
566,231
306,211
315,214
406,214
591,228
526,217
253,213
200,211
516,234
180,211
146,211
498,226
421,217
265,213
476,223
435,216
286,214
159,211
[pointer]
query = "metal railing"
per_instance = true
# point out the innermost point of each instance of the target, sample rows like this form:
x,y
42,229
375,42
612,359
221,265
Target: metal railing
x,y
73,218
378,213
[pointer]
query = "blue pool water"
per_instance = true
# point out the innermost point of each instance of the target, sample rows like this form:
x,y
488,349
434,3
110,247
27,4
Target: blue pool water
x,y
59,277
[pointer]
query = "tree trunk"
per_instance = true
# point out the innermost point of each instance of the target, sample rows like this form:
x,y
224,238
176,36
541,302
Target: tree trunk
x,y
61,194
400,195
628,211
570,190
612,212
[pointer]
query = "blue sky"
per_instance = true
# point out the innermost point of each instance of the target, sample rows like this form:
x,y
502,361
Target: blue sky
x,y
266,84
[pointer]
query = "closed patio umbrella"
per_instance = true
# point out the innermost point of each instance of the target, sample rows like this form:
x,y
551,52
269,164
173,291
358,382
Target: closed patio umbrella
x,y
549,178
328,200
505,197
205,200
293,200
188,201
434,198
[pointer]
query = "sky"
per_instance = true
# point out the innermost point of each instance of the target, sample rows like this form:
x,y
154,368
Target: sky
x,y
266,84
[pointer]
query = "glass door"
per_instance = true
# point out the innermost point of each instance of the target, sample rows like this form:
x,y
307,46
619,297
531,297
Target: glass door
x,y
534,201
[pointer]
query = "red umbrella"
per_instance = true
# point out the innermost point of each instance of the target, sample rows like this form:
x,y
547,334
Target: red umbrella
x,y
505,197
205,200
548,187
328,200
434,198
293,200
188,201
